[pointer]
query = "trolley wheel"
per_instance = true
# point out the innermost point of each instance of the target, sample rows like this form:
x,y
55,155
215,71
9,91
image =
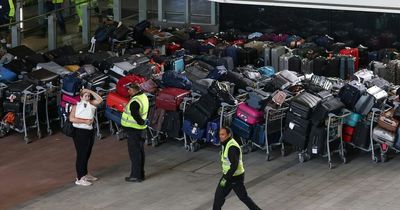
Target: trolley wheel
x,y
99,136
27,140
50,132
245,149
187,148
2,133
283,152
39,134
119,136
301,158
330,165
194,147
384,157
376,159
344,160
268,158
154,142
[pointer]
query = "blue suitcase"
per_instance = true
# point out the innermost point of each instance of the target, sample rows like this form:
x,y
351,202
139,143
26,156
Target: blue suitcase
x,y
6,75
352,119
231,51
258,136
212,132
113,115
71,85
241,128
193,131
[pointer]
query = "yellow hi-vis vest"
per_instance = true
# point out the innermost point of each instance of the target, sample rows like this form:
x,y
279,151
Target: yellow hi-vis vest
x,y
12,9
57,1
226,164
127,120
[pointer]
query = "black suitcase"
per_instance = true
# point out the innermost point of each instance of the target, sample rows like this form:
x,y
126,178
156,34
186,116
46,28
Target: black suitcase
x,y
69,60
15,107
247,56
191,46
364,104
317,141
18,66
361,135
144,70
201,86
295,64
332,105
258,99
350,93
238,79
17,88
35,59
296,131
60,52
42,77
303,104
379,82
203,110
21,51
196,72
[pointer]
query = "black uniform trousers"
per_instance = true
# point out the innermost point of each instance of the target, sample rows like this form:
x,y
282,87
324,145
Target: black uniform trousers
x,y
83,140
136,152
237,184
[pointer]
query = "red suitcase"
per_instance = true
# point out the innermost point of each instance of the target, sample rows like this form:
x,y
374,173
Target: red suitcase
x,y
122,90
352,52
250,115
172,48
170,98
116,101
347,134
69,99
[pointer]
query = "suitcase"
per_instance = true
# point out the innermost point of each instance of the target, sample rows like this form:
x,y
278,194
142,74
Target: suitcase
x,y
363,75
15,107
387,121
191,46
228,63
285,79
361,135
231,51
97,79
71,85
149,86
350,93
35,59
193,130
307,66
346,67
352,119
379,82
60,52
249,115
54,67
238,79
271,55
69,99
6,75
18,66
113,115
241,129
68,60
122,68
170,98
332,105
317,141
116,101
284,61
295,63
379,94
296,131
246,56
196,72
351,52
257,45
21,51
364,104
203,110
347,134
383,136
122,90
18,87
397,142
43,77
303,104
175,64
257,99
321,82
72,68
212,132
201,86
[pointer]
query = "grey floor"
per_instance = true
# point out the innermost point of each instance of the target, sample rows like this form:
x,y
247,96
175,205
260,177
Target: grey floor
x,y
177,179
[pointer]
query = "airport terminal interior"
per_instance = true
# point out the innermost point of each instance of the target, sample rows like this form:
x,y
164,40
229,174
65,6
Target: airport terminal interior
x,y
299,99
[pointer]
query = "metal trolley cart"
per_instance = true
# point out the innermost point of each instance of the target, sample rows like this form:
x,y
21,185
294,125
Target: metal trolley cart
x,y
190,144
273,116
29,118
52,93
100,111
383,146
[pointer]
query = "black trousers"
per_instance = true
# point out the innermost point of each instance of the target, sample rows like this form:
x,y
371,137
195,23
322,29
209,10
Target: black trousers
x,y
83,140
238,187
136,152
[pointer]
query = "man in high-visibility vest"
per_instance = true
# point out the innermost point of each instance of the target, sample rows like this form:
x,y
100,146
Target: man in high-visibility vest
x,y
233,172
133,121
56,5
7,15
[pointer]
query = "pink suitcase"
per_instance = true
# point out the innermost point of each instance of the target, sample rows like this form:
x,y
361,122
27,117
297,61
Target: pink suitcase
x,y
69,99
250,115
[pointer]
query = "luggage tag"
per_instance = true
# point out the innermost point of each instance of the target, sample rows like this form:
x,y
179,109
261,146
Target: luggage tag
x,y
291,125
314,150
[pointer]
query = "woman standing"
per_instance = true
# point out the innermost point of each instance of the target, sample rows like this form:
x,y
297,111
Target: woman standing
x,y
81,117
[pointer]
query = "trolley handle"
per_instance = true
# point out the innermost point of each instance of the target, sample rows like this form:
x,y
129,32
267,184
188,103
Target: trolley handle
x,y
3,86
40,90
343,115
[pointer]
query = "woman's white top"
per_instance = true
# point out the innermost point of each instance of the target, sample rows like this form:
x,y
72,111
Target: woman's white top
x,y
84,110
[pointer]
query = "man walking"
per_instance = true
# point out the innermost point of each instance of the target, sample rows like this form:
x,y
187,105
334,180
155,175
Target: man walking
x,y
133,121
233,172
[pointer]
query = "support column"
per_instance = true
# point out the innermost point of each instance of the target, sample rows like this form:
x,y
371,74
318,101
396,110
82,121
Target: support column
x,y
117,10
188,9
213,13
52,30
41,11
67,10
15,35
160,10
85,24
142,10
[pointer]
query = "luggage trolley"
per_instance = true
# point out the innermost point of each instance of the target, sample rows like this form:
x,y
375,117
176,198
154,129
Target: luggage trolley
x,y
101,110
272,116
51,92
383,146
154,136
29,98
192,145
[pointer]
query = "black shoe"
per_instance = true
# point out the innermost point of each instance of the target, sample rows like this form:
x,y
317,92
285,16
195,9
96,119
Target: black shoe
x,y
132,179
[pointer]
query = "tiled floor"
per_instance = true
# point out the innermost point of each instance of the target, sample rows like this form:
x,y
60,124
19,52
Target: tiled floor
x,y
40,176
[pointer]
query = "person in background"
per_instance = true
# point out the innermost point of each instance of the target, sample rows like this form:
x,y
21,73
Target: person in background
x,y
133,121
7,16
233,172
56,5
82,117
